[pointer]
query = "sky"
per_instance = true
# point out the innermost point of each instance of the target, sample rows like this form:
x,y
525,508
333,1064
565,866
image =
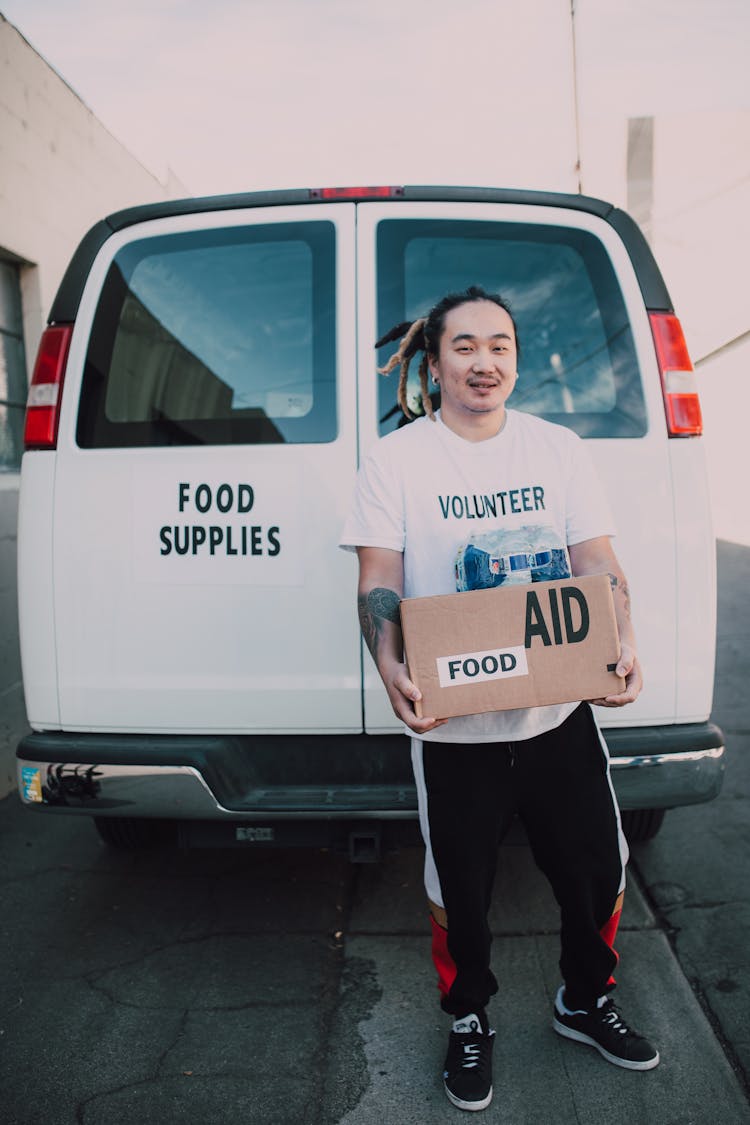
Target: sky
x,y
245,94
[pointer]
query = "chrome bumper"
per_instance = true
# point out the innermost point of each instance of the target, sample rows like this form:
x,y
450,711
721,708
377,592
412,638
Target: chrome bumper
x,y
217,779
664,781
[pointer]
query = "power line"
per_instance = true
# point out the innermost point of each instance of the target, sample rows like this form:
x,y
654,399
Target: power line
x,y
576,114
723,348
703,200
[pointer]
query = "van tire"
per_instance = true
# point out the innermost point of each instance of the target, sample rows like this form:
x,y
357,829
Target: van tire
x,y
129,834
640,825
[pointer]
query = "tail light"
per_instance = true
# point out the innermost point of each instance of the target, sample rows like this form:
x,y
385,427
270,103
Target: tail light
x,y
379,192
677,377
45,392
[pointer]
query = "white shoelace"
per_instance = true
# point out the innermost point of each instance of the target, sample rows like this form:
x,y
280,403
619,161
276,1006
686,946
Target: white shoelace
x,y
472,1053
615,1020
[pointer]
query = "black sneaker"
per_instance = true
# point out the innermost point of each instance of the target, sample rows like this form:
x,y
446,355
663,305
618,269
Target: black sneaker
x,y
468,1065
605,1029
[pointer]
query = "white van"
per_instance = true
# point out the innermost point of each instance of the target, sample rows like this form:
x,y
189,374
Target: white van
x,y
203,394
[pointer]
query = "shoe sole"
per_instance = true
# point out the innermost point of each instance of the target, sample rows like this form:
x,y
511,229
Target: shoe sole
x,y
470,1106
627,1064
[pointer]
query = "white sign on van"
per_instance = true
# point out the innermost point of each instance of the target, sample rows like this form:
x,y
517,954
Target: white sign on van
x,y
216,530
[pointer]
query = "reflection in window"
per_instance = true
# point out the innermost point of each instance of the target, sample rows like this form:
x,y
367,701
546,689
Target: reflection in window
x,y
578,364
215,337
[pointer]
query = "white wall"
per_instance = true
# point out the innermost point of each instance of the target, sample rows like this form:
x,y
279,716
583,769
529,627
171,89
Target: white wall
x,y
724,386
702,240
700,234
60,171
702,221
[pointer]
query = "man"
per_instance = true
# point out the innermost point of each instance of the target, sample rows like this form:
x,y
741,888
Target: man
x,y
474,773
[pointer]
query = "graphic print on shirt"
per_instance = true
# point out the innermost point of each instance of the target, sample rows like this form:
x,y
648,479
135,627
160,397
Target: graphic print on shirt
x,y
511,558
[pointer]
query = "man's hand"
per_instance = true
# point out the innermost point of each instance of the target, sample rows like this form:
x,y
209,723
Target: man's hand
x,y
381,585
595,556
403,694
628,666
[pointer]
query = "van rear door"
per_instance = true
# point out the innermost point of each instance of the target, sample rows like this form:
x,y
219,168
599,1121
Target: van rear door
x,y
208,421
587,362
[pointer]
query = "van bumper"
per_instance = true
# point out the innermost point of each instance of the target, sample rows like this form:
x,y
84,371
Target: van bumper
x,y
261,778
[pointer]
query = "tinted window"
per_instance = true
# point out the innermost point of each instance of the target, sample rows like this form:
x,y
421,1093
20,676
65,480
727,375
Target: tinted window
x,y
215,337
578,364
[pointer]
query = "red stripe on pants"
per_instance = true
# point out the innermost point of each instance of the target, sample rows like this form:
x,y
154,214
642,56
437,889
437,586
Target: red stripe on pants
x,y
608,933
444,963
446,968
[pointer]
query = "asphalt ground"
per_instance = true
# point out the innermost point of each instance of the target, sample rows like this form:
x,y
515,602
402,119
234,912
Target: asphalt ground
x,y
292,987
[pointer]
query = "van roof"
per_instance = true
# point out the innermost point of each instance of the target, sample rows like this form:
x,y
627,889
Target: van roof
x,y
68,298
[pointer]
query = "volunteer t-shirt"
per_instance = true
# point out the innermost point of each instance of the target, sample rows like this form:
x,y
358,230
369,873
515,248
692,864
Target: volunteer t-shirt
x,y
472,514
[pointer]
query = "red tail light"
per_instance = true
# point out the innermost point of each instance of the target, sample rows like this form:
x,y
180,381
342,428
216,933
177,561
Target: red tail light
x,y
677,377
45,392
379,192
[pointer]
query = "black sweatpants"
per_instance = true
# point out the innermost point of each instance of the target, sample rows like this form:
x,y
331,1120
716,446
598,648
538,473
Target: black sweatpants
x,y
558,784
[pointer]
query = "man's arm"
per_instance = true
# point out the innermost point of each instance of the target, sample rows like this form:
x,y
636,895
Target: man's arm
x,y
381,586
596,556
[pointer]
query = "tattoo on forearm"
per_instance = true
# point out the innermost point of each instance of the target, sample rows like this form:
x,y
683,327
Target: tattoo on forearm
x,y
374,608
621,584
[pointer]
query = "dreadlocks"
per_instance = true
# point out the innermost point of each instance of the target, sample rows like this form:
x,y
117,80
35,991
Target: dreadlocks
x,y
424,335
413,341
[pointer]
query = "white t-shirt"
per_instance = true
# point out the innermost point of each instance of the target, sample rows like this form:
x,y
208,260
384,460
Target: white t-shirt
x,y
427,492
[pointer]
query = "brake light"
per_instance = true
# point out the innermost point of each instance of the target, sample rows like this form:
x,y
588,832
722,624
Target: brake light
x,y
679,387
45,392
356,193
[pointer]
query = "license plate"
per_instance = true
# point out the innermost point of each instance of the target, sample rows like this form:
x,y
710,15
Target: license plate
x,y
254,834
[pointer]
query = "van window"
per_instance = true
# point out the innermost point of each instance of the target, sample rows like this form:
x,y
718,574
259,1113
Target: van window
x,y
217,337
578,365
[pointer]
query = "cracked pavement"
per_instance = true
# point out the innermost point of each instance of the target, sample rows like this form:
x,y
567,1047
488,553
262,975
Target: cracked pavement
x,y
290,987
697,870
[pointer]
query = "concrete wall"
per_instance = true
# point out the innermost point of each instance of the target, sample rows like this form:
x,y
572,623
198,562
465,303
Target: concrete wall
x,y
695,210
61,172
701,222
701,227
724,387
686,177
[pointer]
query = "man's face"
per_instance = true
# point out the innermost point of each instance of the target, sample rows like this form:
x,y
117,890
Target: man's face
x,y
476,364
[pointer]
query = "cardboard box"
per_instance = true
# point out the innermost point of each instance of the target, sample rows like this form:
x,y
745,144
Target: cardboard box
x,y
521,646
